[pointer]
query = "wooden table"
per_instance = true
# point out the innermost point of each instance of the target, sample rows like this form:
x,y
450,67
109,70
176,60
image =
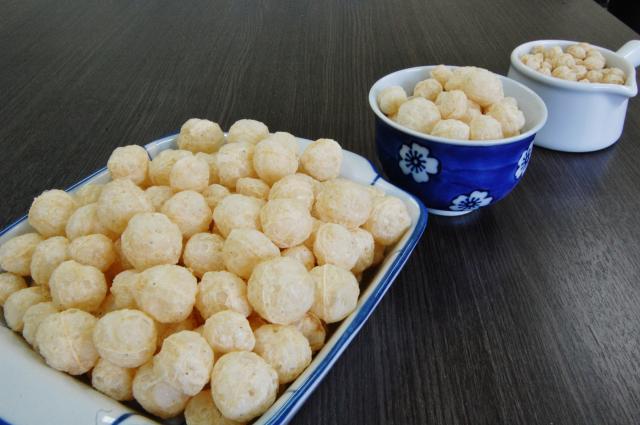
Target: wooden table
x,y
527,312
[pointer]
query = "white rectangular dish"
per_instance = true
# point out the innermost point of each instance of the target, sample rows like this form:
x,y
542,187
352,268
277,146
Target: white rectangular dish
x,y
32,393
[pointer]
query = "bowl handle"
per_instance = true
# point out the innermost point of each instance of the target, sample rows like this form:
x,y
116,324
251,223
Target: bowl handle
x,y
631,52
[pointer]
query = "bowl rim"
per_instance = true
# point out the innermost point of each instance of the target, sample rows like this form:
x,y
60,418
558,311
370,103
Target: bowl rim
x,y
373,104
629,89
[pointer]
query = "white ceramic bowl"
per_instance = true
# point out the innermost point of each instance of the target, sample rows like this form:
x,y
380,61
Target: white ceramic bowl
x,y
33,393
582,117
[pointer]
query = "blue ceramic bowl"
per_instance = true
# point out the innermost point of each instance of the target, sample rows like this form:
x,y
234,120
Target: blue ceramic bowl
x,y
454,177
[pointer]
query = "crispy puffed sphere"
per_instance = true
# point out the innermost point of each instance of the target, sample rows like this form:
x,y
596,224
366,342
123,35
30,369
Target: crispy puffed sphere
x,y
165,330
87,194
48,255
10,283
458,75
272,160
201,410
190,211
577,51
280,290
285,348
246,248
389,220
120,200
156,395
314,231
160,167
131,162
552,52
611,78
344,202
65,340
296,186
483,87
184,362
249,131
214,194
614,70
32,318
533,61
123,289
594,76
286,139
167,293
212,161
452,104
227,331
565,73
50,212
189,173
16,253
418,114
200,135
473,110
286,222
390,99
250,186
451,129
74,285
485,127
203,253
237,212
442,74
580,70
365,245
84,221
594,62
336,293
334,244
314,330
19,302
302,254
158,195
243,385
510,117
322,159
235,160
93,250
112,380
127,338
151,239
564,59
218,291
429,89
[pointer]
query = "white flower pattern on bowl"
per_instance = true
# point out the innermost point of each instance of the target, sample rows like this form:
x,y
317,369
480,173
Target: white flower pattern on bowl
x,y
523,162
415,160
473,201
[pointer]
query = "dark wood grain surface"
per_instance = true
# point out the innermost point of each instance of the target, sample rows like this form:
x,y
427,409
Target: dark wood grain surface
x,y
527,312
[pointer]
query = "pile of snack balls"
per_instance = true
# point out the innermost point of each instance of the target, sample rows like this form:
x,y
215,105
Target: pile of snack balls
x,y
201,281
466,103
578,62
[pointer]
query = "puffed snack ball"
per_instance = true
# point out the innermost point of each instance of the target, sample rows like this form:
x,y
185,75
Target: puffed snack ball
x,y
246,248
200,135
212,161
509,116
237,212
429,89
250,131
184,362
286,139
390,99
442,74
120,200
123,289
485,127
84,221
87,194
48,255
482,86
243,385
343,202
131,162
452,104
389,220
227,331
10,283
167,293
201,410
17,252
165,330
74,285
250,186
203,253
158,195
189,173
126,338
156,395
19,302
281,290
65,340
336,293
302,254
112,380
50,212
151,239
218,291
451,129
313,329
93,250
418,114
334,244
296,186
458,76
272,160
189,210
160,167
366,246
286,222
235,160
32,319
285,348
322,159
215,193
565,73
